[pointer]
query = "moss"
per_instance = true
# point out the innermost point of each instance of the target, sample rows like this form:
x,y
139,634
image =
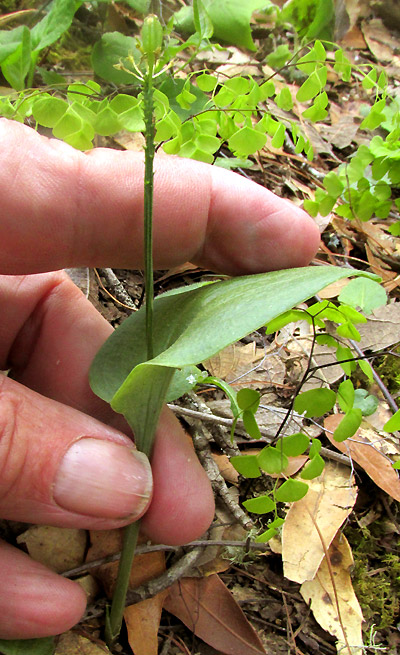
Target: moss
x,y
376,576
388,369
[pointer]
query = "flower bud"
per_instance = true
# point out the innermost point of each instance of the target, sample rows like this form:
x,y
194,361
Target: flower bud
x,y
151,36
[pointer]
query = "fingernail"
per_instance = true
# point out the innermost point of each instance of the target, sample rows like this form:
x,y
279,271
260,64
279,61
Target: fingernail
x,y
103,479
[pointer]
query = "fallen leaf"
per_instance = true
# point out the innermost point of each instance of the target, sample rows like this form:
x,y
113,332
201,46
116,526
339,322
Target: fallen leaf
x,y
381,329
232,359
333,290
59,549
333,601
108,542
381,42
142,622
363,447
70,643
228,472
208,608
90,586
326,505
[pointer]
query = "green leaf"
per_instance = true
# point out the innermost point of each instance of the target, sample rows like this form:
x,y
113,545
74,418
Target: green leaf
x,y
251,425
271,532
294,444
313,85
333,184
366,402
246,141
363,293
279,137
57,21
15,67
202,21
284,99
393,424
272,460
107,53
349,425
230,19
248,399
315,448
10,40
313,468
315,402
290,491
344,353
47,110
188,330
260,505
345,395
246,465
44,646
206,82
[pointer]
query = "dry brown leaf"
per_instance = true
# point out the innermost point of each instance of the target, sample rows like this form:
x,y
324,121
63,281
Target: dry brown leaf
x,y
142,622
363,447
381,42
381,329
228,472
333,290
71,643
90,586
208,608
232,359
59,549
108,542
324,601
328,502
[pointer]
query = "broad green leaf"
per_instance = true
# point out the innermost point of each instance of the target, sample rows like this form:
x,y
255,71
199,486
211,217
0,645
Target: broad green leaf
x,y
315,402
366,368
230,19
107,53
393,424
107,122
294,444
349,425
311,18
15,67
251,425
365,401
10,40
272,460
333,184
246,465
57,21
396,465
290,491
315,448
260,505
279,137
191,325
363,293
313,468
44,646
312,85
271,532
202,21
342,354
206,82
284,99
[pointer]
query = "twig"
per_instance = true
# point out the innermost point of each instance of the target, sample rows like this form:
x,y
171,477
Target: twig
x,y
121,296
220,434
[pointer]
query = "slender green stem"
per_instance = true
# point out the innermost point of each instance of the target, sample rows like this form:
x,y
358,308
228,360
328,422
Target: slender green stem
x,y
148,209
115,615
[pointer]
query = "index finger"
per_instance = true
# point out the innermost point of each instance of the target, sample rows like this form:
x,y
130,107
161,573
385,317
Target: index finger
x,y
64,208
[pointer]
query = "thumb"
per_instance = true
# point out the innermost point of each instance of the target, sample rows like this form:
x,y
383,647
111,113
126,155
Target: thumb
x,y
62,467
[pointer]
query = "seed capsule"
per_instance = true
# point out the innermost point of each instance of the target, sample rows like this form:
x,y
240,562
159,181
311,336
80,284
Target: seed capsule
x,y
151,36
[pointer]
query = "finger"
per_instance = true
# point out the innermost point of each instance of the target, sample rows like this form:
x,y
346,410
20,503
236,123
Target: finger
x,y
58,333
88,210
35,602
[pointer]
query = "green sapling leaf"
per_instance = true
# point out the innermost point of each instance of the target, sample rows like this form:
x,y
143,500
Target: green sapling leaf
x,y
260,505
315,402
345,395
271,460
271,532
366,402
246,465
363,293
349,425
251,425
290,491
294,444
313,468
315,448
393,424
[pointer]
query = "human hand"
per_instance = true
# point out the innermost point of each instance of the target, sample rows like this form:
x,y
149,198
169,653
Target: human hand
x,y
64,457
